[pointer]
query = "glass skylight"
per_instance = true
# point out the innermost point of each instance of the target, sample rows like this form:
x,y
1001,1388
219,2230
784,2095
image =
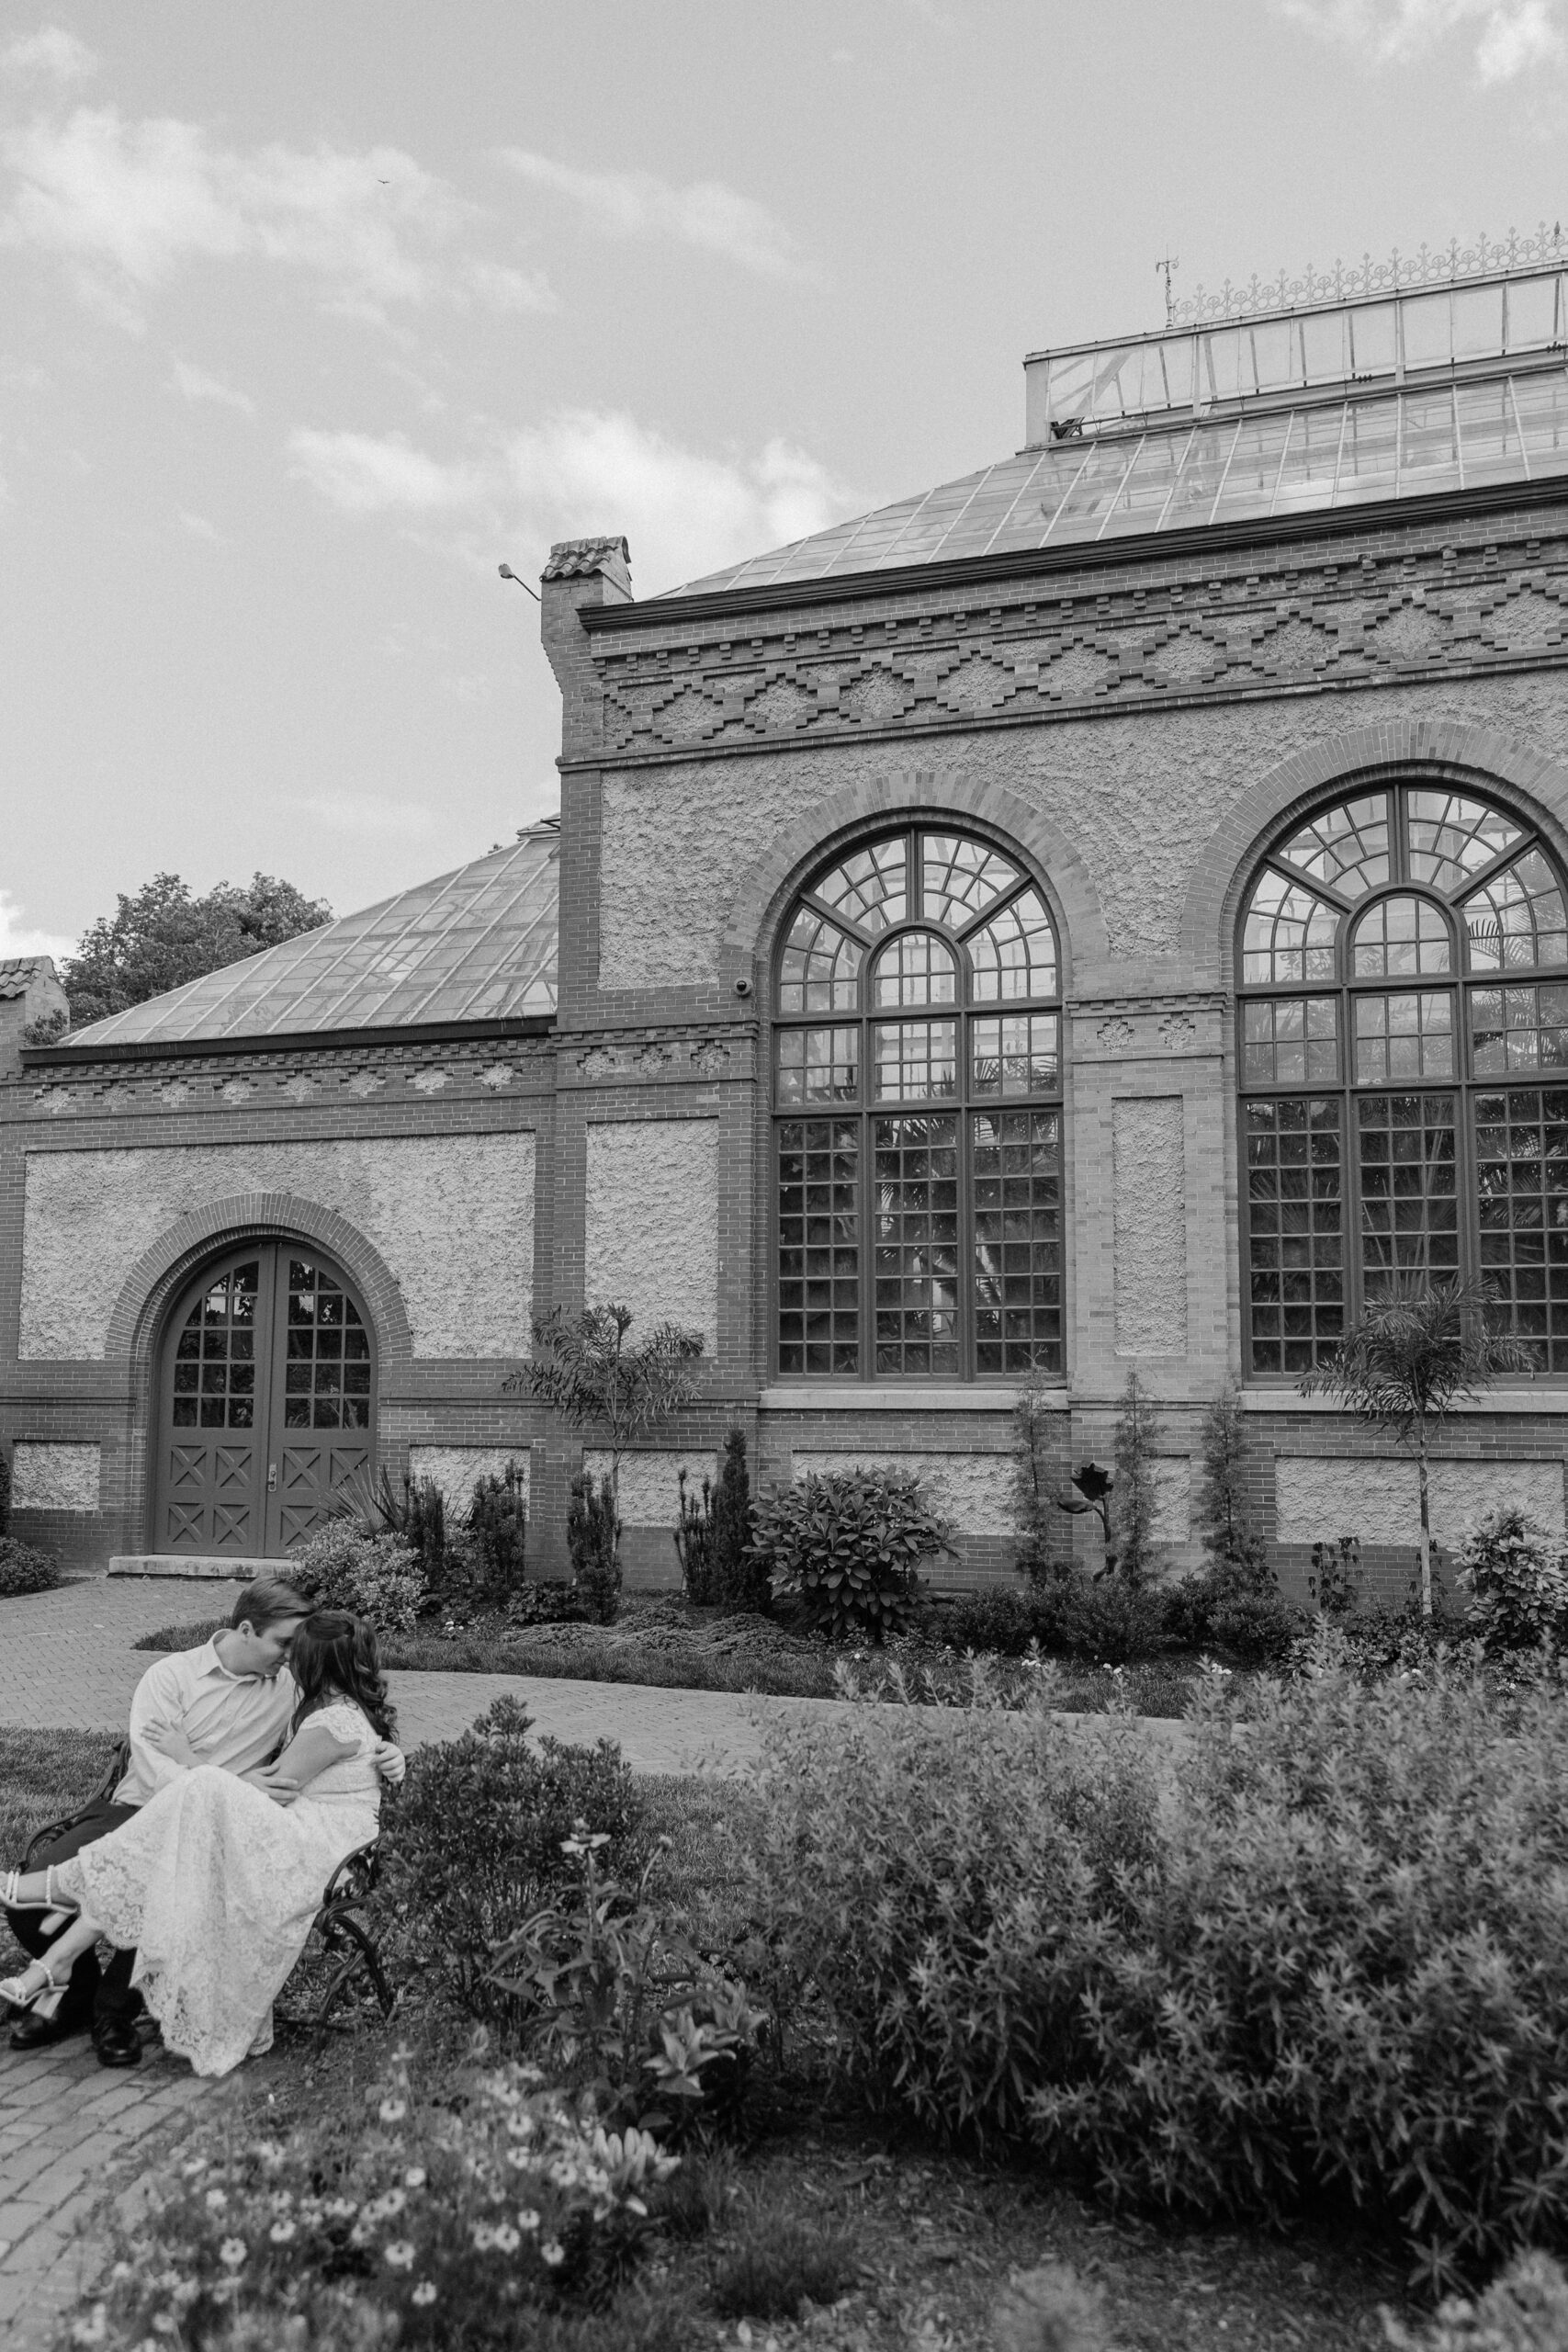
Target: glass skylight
x,y
477,945
1311,457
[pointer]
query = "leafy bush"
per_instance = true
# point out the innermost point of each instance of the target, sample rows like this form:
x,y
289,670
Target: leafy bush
x,y
5,1492
1516,1572
1069,1615
610,1989
473,1845
1338,1960
1524,2310
377,1577
592,1536
1137,1557
498,1524
847,1545
996,1621
1235,1604
23,1569
449,2221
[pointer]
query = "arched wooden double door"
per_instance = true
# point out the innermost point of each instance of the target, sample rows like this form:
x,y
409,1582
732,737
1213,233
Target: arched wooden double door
x,y
266,1403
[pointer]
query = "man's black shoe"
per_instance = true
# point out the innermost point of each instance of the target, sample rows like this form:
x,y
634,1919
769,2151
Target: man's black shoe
x,y
116,2042
30,2032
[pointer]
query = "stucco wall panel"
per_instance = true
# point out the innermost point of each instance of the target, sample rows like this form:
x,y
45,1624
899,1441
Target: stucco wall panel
x,y
652,1222
456,1468
1320,1497
1149,1195
54,1478
650,1493
974,1490
1140,794
451,1216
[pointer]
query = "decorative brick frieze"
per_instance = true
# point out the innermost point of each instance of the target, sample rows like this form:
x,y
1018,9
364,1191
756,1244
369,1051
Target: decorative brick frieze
x,y
664,1056
1413,606
285,1083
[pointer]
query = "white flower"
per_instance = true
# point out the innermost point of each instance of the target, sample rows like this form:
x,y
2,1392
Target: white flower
x,y
391,2202
93,2329
121,2271
192,2165
528,2219
484,2236
341,2209
506,2238
424,2293
216,2200
399,2255
552,2253
231,2253
392,2110
415,2176
280,2233
270,2153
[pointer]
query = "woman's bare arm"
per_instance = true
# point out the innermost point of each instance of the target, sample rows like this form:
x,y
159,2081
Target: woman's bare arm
x,y
311,1750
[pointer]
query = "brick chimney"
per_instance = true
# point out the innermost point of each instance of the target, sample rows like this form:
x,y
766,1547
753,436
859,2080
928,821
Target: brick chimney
x,y
29,988
579,573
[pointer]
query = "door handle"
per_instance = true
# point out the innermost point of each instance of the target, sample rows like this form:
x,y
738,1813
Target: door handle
x,y
271,1476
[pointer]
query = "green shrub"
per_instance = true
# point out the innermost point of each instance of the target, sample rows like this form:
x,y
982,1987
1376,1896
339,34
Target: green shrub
x,y
1337,1962
498,1524
780,2262
846,1545
740,1576
1524,2310
474,1844
1516,1573
694,1540
1257,1628
482,2214
5,1492
379,1577
593,1537
998,1621
23,1569
1106,1623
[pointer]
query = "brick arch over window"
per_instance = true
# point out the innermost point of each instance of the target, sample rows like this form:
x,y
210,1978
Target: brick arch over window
x,y
915,1082
1454,751
1400,946
166,1264
767,887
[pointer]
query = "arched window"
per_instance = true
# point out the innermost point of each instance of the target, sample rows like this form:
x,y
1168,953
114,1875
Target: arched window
x,y
918,1123
1404,1059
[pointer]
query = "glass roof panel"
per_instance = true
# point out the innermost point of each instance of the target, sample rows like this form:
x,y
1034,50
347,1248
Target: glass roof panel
x,y
1314,456
476,945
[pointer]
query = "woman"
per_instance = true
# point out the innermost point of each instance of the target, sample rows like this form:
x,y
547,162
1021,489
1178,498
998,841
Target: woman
x,y
215,1883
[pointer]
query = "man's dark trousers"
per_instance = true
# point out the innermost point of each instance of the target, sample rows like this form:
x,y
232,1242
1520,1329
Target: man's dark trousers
x,y
96,1995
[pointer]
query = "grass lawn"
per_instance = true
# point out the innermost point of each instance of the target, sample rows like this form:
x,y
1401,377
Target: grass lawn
x,y
925,2237
659,1639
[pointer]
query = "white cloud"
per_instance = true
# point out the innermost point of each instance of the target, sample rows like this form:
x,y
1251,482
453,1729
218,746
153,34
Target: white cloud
x,y
48,55
200,528
684,512
635,204
18,939
195,384
584,470
361,815
125,205
498,287
369,475
1511,37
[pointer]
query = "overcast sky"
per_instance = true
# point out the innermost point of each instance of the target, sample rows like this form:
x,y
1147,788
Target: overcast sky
x,y
312,313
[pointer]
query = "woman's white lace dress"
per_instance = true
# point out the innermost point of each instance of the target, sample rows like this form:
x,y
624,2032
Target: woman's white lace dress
x,y
217,1886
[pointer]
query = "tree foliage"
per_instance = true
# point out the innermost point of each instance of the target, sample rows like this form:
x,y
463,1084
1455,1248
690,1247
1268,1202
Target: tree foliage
x,y
165,935
1413,1356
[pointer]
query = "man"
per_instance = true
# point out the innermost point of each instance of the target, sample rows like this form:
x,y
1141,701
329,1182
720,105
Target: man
x,y
228,1704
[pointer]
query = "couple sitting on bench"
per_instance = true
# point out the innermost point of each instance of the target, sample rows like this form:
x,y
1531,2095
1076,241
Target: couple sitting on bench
x,y
207,1866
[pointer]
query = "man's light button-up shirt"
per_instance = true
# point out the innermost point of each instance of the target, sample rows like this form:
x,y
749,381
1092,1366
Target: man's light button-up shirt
x,y
234,1721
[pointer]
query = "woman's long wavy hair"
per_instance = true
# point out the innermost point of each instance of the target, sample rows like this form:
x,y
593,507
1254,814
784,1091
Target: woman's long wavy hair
x,y
333,1655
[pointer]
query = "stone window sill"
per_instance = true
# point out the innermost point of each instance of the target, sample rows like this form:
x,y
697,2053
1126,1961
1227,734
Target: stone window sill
x,y
870,1400
1495,1400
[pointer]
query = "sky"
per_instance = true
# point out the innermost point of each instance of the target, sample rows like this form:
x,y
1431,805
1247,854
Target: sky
x,y
312,316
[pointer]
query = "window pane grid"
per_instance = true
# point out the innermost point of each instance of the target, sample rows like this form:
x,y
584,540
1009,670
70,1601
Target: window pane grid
x,y
1295,1217
915,1271
1399,939
1518,1029
214,1357
327,1361
818,1307
1521,1154
1409,1202
1018,1242
958,1273
1404,1035
1290,1041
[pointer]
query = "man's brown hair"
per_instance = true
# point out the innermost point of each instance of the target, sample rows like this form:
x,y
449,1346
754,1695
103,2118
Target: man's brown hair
x,y
265,1601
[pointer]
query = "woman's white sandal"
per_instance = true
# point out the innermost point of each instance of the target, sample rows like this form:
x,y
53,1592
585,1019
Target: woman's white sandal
x,y
43,1999
59,1906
